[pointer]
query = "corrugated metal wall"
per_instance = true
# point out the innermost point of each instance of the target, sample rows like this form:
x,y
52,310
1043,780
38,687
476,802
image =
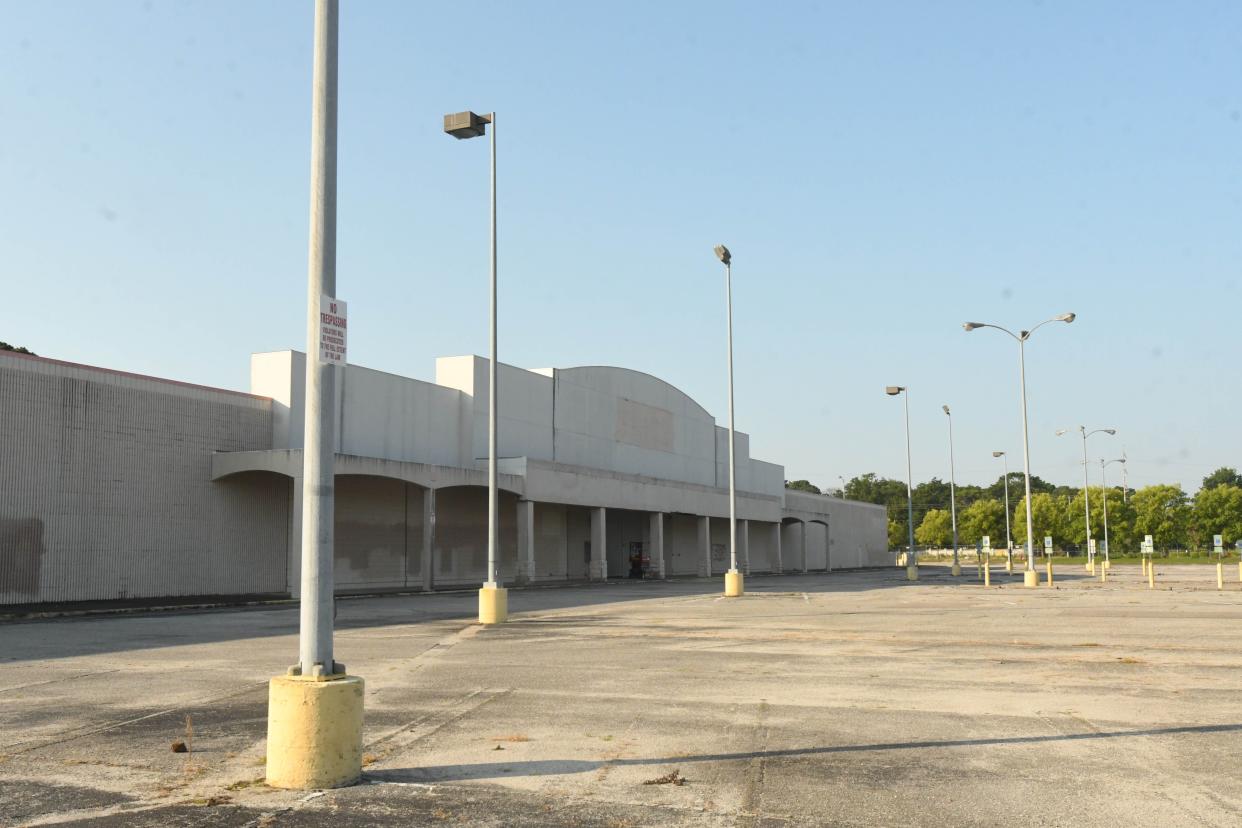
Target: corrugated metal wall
x,y
106,491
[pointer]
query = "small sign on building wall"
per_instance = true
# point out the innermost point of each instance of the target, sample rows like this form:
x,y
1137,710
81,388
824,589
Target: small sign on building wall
x,y
332,330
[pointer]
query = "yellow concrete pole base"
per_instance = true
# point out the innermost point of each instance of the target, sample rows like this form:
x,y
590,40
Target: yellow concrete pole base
x,y
1030,578
493,605
1108,564
1009,567
912,572
957,569
314,732
733,584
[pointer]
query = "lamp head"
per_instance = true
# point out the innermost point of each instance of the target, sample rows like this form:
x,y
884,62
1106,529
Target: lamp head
x,y
998,454
894,390
723,253
970,326
1110,431
1067,317
946,409
1061,431
466,124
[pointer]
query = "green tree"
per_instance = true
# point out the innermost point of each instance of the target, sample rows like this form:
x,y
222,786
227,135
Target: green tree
x,y
936,530
897,538
1120,521
802,486
1218,511
1224,476
4,346
1162,512
983,517
1048,514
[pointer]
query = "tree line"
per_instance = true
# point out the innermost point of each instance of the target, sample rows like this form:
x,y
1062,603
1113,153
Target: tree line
x,y
1174,519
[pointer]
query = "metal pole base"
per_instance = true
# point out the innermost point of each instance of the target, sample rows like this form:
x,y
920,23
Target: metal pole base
x,y
314,731
912,572
734,584
493,604
957,569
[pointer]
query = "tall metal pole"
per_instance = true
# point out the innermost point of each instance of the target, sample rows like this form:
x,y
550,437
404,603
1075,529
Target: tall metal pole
x,y
914,555
1026,456
492,571
1008,536
1104,483
1125,478
318,490
732,474
1086,490
952,487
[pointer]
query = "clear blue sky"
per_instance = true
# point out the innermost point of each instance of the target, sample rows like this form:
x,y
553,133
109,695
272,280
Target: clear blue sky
x,y
881,171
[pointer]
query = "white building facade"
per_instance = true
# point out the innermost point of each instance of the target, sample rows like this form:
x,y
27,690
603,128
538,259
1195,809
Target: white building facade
x,y
120,487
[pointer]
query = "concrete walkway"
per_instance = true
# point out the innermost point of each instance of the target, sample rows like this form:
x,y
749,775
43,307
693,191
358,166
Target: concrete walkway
x,y
849,699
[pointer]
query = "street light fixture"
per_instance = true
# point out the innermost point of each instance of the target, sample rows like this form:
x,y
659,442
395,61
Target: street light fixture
x,y
957,569
912,562
1086,490
1030,576
1008,538
733,578
1104,484
493,598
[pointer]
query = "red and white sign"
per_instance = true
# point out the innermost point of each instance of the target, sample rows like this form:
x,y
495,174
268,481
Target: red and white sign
x,y
332,329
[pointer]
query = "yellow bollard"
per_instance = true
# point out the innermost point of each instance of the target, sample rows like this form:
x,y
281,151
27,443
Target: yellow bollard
x,y
1220,575
1151,574
1103,575
1009,567
1239,571
1050,572
987,573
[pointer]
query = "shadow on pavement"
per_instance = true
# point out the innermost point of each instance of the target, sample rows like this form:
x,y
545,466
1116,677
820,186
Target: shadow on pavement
x,y
557,767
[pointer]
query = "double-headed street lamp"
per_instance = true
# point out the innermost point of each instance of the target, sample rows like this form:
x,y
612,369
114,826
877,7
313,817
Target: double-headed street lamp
x,y
1086,491
957,569
493,599
733,578
1104,484
1008,538
912,562
1030,576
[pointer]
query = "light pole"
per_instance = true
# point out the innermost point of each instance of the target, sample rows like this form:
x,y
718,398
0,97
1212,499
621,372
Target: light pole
x,y
957,569
912,563
493,598
1104,483
302,752
1086,490
733,578
1030,576
1008,538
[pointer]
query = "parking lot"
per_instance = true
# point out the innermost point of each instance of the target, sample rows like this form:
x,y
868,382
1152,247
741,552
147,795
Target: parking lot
x,y
853,698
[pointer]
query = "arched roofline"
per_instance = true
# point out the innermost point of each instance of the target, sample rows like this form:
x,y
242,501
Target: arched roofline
x,y
661,380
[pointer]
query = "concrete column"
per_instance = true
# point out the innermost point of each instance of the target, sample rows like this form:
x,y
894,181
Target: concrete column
x,y
743,546
599,535
657,544
705,547
802,543
827,548
776,547
293,561
526,541
429,540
